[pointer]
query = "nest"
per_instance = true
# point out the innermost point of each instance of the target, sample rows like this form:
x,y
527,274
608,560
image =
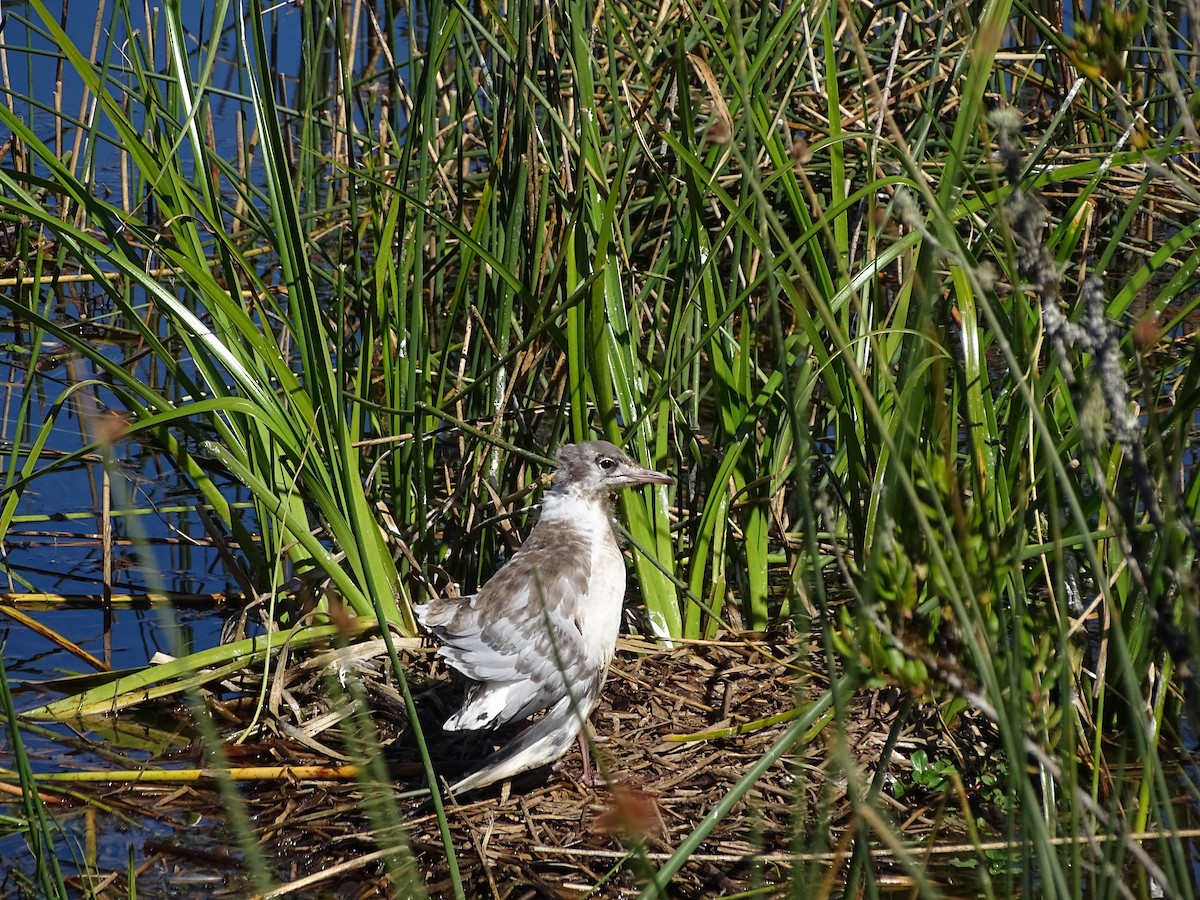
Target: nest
x,y
675,731
552,835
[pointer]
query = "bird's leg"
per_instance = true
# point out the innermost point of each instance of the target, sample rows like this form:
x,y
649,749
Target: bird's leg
x,y
588,777
585,753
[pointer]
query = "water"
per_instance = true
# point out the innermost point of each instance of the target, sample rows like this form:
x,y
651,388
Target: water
x,y
54,558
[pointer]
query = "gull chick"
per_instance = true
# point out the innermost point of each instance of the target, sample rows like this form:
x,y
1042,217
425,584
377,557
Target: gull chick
x,y
541,633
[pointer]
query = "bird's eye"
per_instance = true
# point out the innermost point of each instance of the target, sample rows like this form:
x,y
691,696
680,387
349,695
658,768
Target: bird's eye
x,y
607,463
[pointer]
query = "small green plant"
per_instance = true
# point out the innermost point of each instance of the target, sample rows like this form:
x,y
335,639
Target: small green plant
x,y
930,776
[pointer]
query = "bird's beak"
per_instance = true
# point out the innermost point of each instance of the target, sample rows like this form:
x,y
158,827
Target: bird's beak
x,y
647,476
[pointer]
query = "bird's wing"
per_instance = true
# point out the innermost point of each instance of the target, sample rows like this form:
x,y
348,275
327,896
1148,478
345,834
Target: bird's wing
x,y
519,636
540,744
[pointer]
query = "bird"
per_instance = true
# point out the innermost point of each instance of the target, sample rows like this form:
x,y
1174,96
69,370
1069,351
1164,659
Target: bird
x,y
541,633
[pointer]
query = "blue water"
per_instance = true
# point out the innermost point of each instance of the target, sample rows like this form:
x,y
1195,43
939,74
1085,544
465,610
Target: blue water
x,y
53,546
135,635
48,551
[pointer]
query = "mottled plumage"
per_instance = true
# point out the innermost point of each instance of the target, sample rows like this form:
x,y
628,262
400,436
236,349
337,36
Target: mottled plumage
x,y
541,633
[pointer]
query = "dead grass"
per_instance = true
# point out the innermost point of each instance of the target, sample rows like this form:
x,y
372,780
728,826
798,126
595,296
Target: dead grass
x,y
549,835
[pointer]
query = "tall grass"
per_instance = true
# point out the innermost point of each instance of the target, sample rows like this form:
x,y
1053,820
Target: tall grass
x,y
35,822
784,251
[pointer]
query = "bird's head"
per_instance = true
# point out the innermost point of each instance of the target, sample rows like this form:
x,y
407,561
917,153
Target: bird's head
x,y
598,467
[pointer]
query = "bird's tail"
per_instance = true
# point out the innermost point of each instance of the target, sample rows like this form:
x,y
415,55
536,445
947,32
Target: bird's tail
x,y
540,744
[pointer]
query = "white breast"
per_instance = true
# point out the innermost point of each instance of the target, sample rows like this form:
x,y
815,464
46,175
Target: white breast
x,y
599,613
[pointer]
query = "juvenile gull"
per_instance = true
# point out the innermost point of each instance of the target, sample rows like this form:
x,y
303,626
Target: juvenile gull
x,y
541,633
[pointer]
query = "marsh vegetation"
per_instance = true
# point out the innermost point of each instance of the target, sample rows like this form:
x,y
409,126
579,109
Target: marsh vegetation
x,y
903,295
